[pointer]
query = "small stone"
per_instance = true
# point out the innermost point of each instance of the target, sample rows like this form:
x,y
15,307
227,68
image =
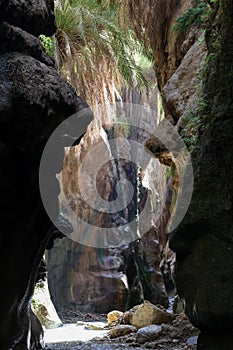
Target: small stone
x,y
192,341
114,316
121,330
175,341
173,334
165,327
93,327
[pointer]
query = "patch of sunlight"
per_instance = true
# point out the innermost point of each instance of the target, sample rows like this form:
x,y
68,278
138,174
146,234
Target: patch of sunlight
x,y
142,61
73,332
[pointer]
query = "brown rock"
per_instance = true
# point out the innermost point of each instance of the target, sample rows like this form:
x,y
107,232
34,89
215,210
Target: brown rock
x,y
147,314
180,92
121,330
178,307
114,316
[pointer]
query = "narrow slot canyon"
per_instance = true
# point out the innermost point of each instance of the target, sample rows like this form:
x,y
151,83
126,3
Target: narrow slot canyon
x,y
116,174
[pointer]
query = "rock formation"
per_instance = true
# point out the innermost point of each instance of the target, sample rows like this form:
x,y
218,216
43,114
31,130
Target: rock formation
x,y
195,86
100,279
34,99
203,241
203,85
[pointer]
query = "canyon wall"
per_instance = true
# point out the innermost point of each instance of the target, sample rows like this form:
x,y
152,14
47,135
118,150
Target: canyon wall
x,y
111,276
197,97
34,99
203,241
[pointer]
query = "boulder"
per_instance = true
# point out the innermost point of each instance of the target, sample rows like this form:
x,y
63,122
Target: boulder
x,y
16,39
121,330
114,316
149,333
146,314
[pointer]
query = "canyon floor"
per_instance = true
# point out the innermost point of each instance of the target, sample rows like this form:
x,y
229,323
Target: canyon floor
x,y
180,334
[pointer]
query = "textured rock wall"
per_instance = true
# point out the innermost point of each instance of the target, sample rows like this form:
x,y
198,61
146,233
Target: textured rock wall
x,y
100,280
34,99
203,241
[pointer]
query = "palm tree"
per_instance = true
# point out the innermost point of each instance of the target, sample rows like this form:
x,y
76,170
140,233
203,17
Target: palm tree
x,y
93,52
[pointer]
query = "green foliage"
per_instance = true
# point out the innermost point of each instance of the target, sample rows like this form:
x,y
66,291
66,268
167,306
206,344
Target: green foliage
x,y
34,304
168,173
93,52
193,16
194,124
38,287
48,44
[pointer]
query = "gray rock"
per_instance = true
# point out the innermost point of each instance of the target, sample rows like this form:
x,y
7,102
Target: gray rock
x,y
192,341
34,100
34,16
146,334
15,39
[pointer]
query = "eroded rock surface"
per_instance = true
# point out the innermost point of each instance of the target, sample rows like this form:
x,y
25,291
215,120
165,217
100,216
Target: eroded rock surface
x,y
126,270
34,16
203,242
34,99
182,91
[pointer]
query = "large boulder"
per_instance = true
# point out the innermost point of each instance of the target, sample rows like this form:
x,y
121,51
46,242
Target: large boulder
x,y
146,314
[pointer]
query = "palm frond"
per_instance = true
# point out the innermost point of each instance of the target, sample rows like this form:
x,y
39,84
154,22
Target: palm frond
x,y
93,52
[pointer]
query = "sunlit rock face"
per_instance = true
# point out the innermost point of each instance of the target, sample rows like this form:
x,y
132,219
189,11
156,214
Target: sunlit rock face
x,y
112,276
183,90
34,99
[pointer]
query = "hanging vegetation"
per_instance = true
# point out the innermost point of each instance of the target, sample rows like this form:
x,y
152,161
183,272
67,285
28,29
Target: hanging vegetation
x,y
93,52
